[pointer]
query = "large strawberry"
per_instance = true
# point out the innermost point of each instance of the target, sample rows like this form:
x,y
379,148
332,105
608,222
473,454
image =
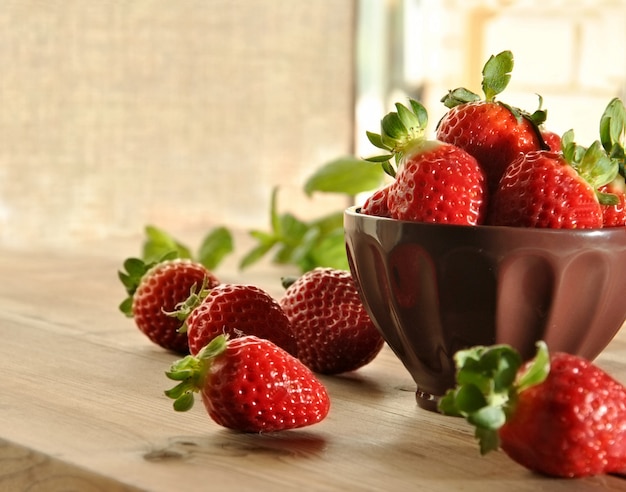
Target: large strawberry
x,y
156,288
334,333
232,309
493,132
558,414
434,181
249,384
554,190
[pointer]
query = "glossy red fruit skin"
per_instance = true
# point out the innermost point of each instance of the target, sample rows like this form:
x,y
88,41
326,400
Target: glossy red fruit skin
x,y
540,189
491,133
237,308
160,290
333,330
552,140
441,184
571,425
255,386
376,204
614,215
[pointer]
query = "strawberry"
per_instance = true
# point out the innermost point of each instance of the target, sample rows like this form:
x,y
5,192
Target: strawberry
x,y
558,415
232,309
154,289
376,203
334,332
612,136
434,181
555,190
614,215
552,140
249,384
493,132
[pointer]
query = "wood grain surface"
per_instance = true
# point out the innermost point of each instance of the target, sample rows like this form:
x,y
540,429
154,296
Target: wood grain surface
x,y
83,409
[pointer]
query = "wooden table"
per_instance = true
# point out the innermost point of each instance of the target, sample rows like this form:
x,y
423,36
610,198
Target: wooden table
x,y
82,408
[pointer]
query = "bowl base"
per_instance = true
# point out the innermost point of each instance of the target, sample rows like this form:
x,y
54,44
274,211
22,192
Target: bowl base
x,y
426,400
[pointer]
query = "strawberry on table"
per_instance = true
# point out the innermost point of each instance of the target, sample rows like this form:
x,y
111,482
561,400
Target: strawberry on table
x,y
559,414
554,190
154,289
493,132
249,384
334,333
434,181
232,309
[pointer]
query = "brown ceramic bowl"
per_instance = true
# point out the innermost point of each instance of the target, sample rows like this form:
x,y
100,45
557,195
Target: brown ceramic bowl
x,y
434,289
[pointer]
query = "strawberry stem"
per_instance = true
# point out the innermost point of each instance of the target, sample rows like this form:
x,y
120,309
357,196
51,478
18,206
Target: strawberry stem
x,y
400,131
489,381
191,372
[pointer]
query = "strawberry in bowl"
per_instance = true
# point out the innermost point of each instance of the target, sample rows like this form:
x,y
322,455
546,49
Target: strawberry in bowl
x,y
533,257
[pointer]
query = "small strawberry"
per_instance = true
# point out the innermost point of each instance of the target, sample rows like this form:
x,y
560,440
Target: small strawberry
x,y
613,136
376,203
249,384
493,132
233,309
434,181
552,140
614,215
334,333
154,289
559,414
554,190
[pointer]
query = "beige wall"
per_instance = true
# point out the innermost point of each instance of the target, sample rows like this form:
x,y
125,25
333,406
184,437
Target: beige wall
x,y
114,114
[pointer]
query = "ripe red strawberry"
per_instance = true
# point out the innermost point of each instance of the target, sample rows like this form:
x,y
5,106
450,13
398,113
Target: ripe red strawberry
x,y
249,384
558,415
614,215
155,289
435,181
376,203
554,190
334,333
493,132
612,136
552,140
238,308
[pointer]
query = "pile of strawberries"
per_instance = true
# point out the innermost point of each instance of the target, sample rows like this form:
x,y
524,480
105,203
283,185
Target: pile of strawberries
x,y
251,357
495,164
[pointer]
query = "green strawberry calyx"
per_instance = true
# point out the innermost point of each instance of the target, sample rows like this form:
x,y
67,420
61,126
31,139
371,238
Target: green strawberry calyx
x,y
183,309
496,77
400,132
613,132
190,372
134,271
593,164
489,381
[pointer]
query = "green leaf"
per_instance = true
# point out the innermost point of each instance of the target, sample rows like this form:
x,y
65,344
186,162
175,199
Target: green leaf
x,y
257,253
215,246
347,175
158,243
376,140
538,370
459,96
497,74
330,251
613,125
490,418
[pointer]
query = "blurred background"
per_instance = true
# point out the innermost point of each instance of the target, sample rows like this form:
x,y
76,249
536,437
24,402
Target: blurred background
x,y
187,114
